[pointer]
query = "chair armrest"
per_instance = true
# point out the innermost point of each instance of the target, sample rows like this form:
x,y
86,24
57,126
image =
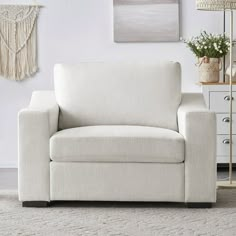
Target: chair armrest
x,y
198,126
35,126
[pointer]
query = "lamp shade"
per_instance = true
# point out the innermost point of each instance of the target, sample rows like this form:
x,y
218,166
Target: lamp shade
x,y
215,5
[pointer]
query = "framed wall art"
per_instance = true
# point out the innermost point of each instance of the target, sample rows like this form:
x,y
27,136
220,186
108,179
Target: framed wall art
x,y
146,20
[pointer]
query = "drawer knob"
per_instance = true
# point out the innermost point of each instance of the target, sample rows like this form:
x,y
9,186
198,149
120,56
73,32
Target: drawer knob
x,y
226,141
227,98
226,119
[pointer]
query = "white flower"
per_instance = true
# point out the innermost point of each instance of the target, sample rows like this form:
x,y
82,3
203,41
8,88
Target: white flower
x,y
205,47
221,51
203,43
215,46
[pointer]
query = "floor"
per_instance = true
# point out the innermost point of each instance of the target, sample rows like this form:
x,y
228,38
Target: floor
x,y
8,177
118,219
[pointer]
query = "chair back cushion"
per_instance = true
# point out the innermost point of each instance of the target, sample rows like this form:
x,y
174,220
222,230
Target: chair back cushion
x,y
118,94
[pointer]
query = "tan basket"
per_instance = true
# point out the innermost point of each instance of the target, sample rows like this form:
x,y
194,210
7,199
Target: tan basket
x,y
209,69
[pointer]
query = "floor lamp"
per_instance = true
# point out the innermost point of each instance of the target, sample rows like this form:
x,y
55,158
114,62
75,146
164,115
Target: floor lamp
x,y
223,5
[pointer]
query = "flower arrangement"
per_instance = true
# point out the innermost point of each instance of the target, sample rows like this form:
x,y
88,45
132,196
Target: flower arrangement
x,y
209,45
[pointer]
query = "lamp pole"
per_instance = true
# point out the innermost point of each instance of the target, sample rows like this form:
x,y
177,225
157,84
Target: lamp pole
x,y
230,183
231,98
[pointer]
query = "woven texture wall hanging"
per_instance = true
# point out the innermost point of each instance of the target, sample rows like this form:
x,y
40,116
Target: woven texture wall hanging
x,y
18,41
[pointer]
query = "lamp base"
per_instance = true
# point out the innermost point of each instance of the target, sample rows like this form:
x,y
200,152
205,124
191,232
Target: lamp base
x,y
226,184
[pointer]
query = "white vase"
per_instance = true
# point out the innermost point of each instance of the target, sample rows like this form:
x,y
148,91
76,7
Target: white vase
x,y
209,69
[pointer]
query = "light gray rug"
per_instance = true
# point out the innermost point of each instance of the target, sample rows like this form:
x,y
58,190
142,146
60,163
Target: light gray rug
x,y
117,218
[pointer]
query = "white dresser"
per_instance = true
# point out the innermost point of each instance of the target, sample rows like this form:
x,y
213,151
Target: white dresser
x,y
217,99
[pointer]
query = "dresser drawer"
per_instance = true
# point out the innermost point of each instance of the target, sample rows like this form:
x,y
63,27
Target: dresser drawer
x,y
225,159
219,101
223,146
223,123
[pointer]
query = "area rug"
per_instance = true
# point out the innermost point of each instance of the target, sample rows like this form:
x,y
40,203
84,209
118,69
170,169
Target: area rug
x,y
123,219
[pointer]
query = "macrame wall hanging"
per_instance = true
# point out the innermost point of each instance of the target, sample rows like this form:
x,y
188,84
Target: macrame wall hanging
x,y
18,41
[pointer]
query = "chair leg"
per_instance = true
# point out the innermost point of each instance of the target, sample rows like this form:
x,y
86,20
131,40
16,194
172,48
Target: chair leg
x,y
199,205
35,204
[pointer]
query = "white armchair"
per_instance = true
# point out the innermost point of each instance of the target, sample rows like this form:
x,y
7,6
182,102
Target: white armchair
x,y
117,132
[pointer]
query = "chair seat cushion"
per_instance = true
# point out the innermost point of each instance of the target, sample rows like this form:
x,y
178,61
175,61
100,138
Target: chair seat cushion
x,y
115,143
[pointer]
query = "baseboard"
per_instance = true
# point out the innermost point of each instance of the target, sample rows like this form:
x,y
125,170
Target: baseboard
x,y
8,165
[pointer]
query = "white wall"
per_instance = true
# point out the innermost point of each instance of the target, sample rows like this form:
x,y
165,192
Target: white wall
x,y
81,30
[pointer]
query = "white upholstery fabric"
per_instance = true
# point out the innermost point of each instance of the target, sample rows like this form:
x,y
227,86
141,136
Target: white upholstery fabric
x,y
117,144
198,126
36,124
128,161
118,94
117,181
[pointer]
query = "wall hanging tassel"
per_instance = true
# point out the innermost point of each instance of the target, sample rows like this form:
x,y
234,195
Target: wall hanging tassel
x,y
18,41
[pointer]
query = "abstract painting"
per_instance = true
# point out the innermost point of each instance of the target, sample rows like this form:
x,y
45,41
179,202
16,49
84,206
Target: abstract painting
x,y
146,20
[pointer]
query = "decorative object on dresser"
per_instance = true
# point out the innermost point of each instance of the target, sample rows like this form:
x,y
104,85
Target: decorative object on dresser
x,y
223,5
227,73
209,49
18,41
